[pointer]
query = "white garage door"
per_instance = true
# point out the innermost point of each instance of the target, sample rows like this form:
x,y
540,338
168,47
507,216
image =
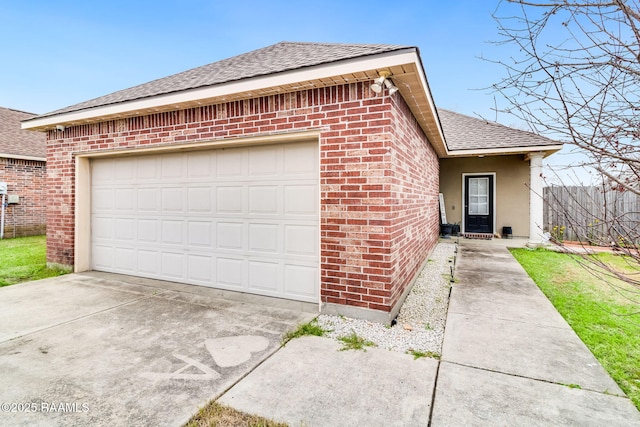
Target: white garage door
x,y
242,219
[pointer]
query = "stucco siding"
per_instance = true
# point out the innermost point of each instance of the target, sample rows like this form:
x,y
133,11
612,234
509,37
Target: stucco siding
x,y
512,191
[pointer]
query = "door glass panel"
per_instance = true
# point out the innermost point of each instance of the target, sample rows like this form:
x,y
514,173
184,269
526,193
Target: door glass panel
x,y
479,196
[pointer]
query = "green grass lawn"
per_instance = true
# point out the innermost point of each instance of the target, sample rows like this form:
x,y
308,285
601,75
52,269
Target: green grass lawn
x,y
23,259
604,314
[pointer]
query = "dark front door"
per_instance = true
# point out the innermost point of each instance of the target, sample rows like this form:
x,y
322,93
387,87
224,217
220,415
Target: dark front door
x,y
478,204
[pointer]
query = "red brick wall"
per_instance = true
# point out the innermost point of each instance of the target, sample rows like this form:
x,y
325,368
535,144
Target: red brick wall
x,y
387,184
356,206
416,171
26,179
359,144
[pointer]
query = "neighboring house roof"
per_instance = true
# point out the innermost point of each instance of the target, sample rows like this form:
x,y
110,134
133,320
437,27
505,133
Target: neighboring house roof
x,y
470,135
281,68
277,58
18,143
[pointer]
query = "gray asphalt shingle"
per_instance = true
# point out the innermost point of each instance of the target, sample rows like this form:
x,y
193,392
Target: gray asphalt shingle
x,y
469,133
283,56
461,132
14,140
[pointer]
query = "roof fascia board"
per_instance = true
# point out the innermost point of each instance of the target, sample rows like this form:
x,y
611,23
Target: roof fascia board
x,y
355,65
21,157
548,149
432,105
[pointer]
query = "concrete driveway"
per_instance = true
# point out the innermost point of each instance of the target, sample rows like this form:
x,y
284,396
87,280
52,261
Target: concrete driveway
x,y
99,349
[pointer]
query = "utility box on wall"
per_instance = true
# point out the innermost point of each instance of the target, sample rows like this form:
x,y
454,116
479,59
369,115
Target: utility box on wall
x,y
13,199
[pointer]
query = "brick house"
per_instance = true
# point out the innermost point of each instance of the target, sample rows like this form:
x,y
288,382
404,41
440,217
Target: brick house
x,y
303,171
23,169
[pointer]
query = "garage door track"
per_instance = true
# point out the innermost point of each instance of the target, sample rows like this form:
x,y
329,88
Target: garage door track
x,y
100,349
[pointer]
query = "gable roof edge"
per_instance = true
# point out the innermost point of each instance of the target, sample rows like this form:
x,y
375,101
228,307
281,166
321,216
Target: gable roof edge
x,y
298,75
349,70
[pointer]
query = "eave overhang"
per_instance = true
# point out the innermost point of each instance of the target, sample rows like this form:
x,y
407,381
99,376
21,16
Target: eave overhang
x,y
405,65
21,157
547,150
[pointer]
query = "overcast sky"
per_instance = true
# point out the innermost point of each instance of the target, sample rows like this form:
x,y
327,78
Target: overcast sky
x,y
57,53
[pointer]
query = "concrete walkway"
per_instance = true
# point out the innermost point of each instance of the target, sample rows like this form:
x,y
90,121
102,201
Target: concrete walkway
x,y
508,359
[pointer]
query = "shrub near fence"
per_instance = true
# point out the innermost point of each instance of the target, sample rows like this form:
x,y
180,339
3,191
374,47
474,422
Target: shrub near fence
x,y
593,215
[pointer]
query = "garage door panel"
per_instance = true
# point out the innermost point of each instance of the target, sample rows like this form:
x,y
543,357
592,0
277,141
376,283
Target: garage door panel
x,y
244,219
146,169
102,172
125,170
124,260
103,228
264,277
148,262
125,229
200,164
230,235
264,161
148,230
301,240
301,281
125,200
301,199
200,234
172,265
103,199
263,199
172,232
148,199
264,237
200,200
230,273
103,257
172,200
200,268
230,163
301,160
171,167
229,199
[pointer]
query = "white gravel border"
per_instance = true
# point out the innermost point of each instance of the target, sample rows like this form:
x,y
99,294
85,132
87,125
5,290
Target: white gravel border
x,y
421,321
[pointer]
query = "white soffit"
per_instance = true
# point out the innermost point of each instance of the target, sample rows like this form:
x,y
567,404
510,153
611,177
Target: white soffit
x,y
546,149
21,157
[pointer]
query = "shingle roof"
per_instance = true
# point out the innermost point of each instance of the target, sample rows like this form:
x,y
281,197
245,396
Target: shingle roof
x,y
283,56
469,133
14,140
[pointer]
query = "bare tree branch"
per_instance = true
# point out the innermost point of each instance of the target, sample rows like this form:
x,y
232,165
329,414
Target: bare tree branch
x,y
576,78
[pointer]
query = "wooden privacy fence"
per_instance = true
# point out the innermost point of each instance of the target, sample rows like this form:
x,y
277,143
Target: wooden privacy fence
x,y
592,215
